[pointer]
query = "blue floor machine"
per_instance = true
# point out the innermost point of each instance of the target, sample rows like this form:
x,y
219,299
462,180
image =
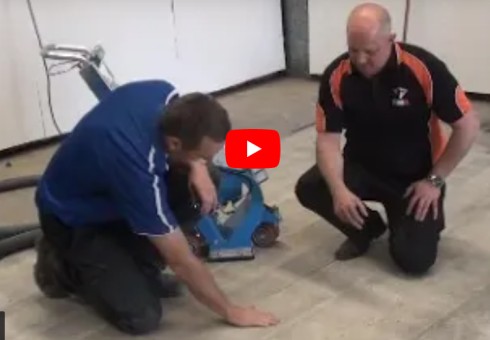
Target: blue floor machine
x,y
243,220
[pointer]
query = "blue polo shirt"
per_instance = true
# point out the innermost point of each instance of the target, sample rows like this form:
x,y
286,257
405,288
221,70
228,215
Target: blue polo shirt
x,y
112,165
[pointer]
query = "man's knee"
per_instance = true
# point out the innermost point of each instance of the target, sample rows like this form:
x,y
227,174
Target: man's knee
x,y
300,191
413,263
306,189
141,322
49,273
414,252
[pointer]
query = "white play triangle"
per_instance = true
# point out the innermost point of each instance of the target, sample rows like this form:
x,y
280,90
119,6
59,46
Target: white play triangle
x,y
252,148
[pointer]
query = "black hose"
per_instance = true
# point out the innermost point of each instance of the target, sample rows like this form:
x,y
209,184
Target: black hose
x,y
10,231
18,237
18,183
19,242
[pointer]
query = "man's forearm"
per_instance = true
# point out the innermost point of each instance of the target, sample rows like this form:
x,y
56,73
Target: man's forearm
x,y
175,251
458,146
330,161
202,285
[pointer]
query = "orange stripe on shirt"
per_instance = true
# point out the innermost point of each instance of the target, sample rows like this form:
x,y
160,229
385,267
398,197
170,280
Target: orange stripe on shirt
x,y
462,101
437,137
421,72
335,82
320,119
342,69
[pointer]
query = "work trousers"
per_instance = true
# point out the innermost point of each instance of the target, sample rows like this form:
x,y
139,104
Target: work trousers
x,y
112,269
109,267
413,245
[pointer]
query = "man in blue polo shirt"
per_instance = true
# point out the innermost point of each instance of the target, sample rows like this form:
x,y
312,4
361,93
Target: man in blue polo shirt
x,y
107,210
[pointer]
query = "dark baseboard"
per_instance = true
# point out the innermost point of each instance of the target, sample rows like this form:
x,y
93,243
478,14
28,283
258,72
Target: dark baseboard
x,y
40,143
315,76
485,97
30,146
250,83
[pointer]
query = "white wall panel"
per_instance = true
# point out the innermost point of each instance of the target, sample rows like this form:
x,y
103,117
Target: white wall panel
x,y
21,106
224,43
138,37
459,33
327,22
198,45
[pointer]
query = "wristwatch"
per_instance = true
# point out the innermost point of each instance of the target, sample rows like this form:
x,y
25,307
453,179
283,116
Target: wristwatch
x,y
436,180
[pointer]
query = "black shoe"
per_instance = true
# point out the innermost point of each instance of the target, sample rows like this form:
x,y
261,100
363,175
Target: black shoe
x,y
165,285
169,286
48,271
349,250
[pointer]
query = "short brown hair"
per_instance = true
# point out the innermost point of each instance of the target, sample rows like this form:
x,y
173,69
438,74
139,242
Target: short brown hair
x,y
194,116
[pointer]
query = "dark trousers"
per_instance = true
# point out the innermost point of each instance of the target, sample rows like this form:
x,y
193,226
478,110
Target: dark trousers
x,y
413,245
112,269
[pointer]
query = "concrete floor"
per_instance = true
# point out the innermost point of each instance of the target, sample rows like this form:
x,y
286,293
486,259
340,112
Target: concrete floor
x,y
298,279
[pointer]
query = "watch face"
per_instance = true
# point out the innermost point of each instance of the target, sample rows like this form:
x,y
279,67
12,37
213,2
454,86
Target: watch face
x,y
436,180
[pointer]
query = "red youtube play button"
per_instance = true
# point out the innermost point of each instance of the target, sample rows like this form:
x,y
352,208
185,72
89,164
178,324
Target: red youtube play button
x,y
253,149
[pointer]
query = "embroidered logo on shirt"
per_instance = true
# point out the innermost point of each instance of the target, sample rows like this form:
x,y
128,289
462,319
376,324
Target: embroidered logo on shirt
x,y
400,100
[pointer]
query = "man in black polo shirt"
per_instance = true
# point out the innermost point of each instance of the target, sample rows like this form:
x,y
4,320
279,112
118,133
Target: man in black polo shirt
x,y
390,98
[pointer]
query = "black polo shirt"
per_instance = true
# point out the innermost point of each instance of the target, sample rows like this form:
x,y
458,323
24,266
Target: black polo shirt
x,y
392,121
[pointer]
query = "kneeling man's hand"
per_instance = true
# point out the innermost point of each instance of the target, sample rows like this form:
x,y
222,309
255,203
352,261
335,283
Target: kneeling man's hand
x,y
201,181
250,317
349,208
176,252
424,197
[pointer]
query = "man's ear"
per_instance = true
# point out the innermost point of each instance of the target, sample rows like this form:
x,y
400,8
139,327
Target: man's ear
x,y
173,144
393,37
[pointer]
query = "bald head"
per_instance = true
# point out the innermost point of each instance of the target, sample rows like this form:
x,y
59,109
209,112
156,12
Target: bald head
x,y
369,18
369,38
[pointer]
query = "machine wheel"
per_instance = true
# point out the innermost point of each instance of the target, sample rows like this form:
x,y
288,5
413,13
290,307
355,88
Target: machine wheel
x,y
265,235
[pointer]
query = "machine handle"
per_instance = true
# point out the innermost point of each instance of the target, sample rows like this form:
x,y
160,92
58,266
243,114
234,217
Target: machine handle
x,y
64,56
67,48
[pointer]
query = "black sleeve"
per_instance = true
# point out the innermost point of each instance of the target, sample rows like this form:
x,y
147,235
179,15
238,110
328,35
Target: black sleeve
x,y
329,113
449,101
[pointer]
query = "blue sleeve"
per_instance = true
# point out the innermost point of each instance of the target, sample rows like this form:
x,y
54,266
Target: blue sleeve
x,y
139,190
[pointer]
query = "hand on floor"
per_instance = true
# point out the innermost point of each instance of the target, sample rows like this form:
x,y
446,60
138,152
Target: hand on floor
x,y
250,317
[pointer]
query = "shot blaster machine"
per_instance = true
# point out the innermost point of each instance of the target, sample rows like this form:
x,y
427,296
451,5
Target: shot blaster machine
x,y
242,222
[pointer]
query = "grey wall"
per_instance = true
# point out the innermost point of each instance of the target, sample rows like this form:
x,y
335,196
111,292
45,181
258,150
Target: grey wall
x,y
295,19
